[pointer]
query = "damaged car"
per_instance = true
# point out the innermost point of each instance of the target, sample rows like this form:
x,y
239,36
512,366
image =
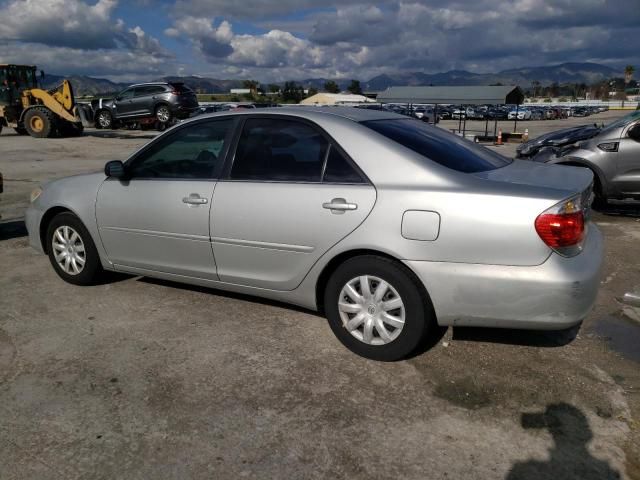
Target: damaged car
x,y
156,104
612,153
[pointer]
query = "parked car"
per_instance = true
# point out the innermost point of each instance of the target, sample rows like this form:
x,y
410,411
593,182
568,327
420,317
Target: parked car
x,y
462,112
153,102
522,113
537,114
300,205
612,154
557,138
497,113
426,114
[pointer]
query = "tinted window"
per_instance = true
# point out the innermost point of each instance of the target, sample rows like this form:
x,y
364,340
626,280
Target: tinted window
x,y
126,94
279,150
438,145
195,151
149,90
339,169
181,88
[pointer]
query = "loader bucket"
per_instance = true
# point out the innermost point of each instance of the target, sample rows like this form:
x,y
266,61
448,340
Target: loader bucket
x,y
85,114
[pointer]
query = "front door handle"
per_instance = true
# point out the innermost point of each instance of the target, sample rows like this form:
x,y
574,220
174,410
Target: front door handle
x,y
194,199
339,206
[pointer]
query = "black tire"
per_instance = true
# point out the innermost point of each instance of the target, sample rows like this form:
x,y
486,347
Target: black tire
x,y
163,114
92,270
20,130
40,122
104,119
419,320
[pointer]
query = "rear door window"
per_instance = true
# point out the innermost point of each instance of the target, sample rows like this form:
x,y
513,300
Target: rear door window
x,y
438,145
279,150
339,169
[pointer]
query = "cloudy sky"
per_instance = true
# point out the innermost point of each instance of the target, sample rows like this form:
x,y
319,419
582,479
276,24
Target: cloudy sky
x,y
274,40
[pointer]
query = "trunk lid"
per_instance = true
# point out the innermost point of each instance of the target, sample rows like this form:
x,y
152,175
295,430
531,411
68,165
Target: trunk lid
x,y
569,180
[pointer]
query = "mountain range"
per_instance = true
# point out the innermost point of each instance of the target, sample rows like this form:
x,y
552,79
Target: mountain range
x,y
587,73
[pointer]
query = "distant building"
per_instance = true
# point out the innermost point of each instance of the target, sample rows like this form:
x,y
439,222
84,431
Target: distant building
x,y
240,91
335,99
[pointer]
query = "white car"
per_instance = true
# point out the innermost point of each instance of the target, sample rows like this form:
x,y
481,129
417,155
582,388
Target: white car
x,y
523,114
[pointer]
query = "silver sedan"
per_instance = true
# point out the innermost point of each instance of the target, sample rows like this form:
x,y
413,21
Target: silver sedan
x,y
387,225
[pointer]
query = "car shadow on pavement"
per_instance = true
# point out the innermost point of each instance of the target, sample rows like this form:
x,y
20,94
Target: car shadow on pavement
x,y
531,338
631,210
121,135
226,294
12,229
569,458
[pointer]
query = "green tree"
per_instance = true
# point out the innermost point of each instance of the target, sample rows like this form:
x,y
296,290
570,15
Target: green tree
x,y
628,73
292,92
274,88
252,85
312,91
331,87
355,87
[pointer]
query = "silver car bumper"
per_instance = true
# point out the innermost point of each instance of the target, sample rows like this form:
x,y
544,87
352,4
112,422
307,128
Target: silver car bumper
x,y
554,295
32,219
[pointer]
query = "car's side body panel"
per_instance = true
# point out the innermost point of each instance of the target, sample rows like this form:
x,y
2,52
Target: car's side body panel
x,y
278,239
147,224
269,234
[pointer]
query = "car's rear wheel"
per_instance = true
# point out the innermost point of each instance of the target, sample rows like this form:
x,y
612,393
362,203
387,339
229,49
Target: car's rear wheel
x,y
71,250
163,114
377,308
104,119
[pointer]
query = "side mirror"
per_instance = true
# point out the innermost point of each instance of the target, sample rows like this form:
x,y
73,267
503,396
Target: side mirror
x,y
634,132
115,169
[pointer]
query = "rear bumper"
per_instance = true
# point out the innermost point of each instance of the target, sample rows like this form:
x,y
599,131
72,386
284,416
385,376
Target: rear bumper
x,y
183,111
554,295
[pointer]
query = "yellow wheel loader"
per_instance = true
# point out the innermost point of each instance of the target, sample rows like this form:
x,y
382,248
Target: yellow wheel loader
x,y
30,110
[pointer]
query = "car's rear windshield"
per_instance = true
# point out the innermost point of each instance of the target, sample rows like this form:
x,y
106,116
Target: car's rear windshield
x,y
439,145
181,87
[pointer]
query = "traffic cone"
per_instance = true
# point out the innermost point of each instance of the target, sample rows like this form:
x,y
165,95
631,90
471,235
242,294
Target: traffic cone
x,y
499,140
525,137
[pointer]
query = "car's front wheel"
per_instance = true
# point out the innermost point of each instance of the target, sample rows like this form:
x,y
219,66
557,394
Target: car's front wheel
x,y
104,119
377,308
71,250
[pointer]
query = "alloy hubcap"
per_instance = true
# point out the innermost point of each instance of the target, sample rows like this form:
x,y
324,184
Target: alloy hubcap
x,y
371,310
104,120
163,114
68,250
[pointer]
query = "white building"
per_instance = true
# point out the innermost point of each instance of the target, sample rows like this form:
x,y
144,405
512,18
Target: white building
x,y
336,99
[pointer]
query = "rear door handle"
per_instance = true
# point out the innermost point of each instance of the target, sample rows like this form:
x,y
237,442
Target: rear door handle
x,y
194,199
339,205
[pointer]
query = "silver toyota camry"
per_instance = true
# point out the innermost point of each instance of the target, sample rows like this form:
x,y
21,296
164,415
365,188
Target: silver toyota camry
x,y
387,225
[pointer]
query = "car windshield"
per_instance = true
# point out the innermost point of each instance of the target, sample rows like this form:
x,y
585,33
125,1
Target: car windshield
x,y
622,121
438,145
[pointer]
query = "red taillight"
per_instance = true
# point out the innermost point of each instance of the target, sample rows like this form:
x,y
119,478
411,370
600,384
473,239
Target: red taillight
x,y
562,227
559,230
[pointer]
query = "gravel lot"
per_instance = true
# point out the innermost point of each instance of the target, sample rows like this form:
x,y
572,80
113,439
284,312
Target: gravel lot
x,y
139,379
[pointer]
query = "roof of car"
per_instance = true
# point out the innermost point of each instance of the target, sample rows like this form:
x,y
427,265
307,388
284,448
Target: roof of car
x,y
148,84
351,113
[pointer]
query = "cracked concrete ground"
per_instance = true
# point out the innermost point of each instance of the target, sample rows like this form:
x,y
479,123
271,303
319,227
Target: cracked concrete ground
x,y
139,378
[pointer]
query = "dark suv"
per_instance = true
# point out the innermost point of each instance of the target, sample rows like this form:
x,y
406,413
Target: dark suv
x,y
145,103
